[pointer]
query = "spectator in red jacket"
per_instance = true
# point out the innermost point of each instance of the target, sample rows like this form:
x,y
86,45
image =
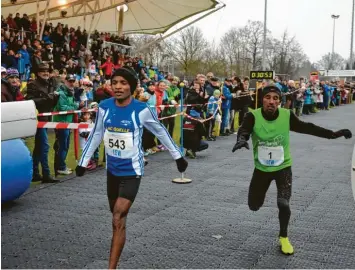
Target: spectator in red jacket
x,y
108,66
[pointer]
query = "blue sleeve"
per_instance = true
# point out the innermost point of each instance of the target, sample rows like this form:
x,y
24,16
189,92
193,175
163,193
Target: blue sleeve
x,y
227,94
210,105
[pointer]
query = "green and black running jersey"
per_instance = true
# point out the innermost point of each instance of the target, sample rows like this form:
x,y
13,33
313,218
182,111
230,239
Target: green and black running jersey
x,y
271,141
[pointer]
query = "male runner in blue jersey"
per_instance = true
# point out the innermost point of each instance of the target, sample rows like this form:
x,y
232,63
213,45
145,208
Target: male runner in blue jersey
x,y
119,122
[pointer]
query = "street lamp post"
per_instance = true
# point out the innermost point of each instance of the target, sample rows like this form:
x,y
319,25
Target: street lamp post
x,y
352,37
334,17
264,41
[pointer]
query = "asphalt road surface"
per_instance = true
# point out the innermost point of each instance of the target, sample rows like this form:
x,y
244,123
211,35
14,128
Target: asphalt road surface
x,y
204,224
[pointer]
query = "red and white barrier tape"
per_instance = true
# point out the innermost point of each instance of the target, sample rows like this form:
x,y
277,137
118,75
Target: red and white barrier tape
x,y
66,112
94,110
159,106
58,125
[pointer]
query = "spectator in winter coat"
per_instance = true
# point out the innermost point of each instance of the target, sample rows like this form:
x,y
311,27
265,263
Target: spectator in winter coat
x,y
161,95
65,102
11,92
42,93
10,60
173,95
212,108
226,105
108,66
307,100
326,95
195,96
193,131
36,61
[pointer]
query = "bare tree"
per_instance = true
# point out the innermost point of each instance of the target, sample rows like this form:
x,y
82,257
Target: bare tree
x,y
239,50
253,38
329,62
188,48
231,48
152,55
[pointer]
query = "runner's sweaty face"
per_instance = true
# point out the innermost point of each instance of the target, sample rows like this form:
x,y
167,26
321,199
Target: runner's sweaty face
x,y
271,101
121,88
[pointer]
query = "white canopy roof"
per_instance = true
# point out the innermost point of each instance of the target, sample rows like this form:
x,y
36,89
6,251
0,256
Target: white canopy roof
x,y
142,16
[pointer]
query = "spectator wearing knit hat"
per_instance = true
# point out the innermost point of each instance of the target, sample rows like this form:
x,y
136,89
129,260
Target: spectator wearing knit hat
x,y
10,86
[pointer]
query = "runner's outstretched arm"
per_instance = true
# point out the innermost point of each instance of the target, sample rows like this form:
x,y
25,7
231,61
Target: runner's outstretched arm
x,y
244,132
299,126
150,121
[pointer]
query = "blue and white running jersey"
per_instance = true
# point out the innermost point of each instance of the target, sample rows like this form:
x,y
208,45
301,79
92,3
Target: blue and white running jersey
x,y
121,128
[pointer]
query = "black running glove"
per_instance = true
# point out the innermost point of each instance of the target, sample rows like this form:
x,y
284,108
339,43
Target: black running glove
x,y
79,170
239,145
181,164
343,132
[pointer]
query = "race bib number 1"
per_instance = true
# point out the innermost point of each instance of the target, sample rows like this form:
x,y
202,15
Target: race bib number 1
x,y
119,144
271,156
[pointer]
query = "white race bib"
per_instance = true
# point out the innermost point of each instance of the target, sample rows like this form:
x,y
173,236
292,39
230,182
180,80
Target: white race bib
x,y
119,144
271,156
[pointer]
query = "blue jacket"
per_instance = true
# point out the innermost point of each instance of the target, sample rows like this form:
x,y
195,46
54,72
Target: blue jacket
x,y
21,65
326,90
308,97
227,101
152,101
279,85
25,56
212,107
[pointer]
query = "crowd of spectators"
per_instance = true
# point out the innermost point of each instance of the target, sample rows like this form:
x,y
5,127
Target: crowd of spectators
x,y
59,72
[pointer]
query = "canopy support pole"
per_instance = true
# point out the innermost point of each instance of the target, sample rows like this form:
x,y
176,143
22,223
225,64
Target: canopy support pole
x,y
120,21
91,23
84,3
44,19
37,18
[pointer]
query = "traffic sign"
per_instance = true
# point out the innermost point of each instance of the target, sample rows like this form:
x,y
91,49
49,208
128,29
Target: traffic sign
x,y
256,75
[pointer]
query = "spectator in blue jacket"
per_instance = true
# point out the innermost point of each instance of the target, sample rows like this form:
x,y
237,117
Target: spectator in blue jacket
x,y
226,105
307,100
326,95
26,61
212,107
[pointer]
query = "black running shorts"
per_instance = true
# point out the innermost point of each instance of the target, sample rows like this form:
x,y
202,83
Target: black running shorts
x,y
122,187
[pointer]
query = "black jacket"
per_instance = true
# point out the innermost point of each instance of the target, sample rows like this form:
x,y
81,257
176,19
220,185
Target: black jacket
x,y
193,131
42,93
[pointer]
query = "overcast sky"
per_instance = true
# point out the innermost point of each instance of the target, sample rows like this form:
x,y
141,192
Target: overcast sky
x,y
309,20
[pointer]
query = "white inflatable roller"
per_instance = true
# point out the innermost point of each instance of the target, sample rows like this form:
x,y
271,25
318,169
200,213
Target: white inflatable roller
x,y
353,172
18,120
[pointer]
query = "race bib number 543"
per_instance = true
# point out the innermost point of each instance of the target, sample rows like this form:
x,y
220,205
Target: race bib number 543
x,y
119,144
271,156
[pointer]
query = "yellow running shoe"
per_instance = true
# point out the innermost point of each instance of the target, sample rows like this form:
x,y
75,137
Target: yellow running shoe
x,y
285,246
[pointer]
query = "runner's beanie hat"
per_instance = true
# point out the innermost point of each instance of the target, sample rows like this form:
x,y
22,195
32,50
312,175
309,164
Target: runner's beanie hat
x,y
271,88
129,74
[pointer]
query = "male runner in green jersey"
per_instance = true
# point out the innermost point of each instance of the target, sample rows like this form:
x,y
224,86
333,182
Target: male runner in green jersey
x,y
269,128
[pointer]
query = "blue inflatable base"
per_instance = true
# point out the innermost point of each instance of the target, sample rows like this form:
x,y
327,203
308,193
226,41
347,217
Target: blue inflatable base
x,y
16,169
